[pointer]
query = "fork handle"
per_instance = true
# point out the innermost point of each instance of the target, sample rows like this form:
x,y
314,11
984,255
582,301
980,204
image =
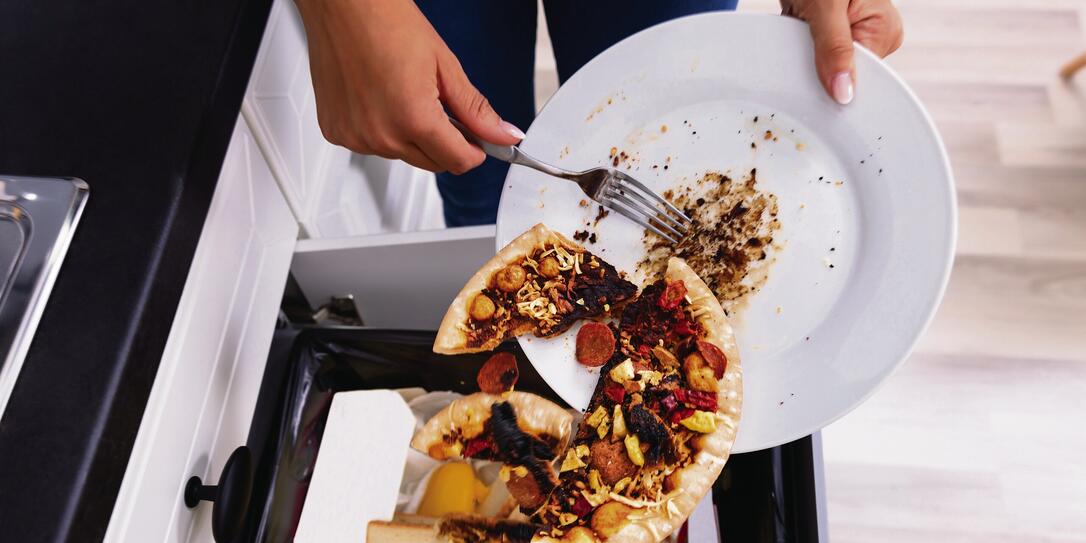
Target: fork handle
x,y
510,153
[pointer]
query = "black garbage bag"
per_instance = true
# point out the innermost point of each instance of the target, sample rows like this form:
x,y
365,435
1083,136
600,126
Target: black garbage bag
x,y
762,496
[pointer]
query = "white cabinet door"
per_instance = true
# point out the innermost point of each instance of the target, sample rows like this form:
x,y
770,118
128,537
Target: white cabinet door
x,y
204,393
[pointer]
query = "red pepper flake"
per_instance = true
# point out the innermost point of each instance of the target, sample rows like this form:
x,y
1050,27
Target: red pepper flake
x,y
644,351
705,401
682,327
679,414
614,391
580,507
478,445
673,295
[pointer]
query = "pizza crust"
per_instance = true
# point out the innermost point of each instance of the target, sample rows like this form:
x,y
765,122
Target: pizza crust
x,y
535,415
450,338
697,478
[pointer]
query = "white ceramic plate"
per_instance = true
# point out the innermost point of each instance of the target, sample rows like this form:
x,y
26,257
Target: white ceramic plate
x,y
816,341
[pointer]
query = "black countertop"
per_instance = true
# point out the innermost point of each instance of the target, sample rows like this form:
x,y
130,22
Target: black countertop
x,y
139,98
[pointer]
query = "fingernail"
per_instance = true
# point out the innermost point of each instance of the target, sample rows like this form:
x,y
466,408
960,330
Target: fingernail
x,y
842,88
508,128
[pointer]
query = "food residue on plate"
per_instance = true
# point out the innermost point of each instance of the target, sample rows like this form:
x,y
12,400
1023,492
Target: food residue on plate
x,y
729,245
619,157
584,235
601,213
609,100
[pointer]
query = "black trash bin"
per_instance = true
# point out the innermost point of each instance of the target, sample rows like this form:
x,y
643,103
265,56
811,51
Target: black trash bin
x,y
763,496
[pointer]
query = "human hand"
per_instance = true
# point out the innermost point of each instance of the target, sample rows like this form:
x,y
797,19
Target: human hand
x,y
835,24
381,75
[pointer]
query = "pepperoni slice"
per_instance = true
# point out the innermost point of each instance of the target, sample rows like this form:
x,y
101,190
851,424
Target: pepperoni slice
x,y
673,295
714,356
498,374
595,344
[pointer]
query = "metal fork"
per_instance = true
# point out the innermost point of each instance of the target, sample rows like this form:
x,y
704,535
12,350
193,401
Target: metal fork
x,y
611,188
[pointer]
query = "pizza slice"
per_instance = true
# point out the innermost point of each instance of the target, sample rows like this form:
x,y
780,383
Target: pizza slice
x,y
661,422
541,283
473,427
523,431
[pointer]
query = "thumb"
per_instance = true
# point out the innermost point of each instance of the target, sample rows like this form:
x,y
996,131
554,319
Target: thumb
x,y
471,108
832,35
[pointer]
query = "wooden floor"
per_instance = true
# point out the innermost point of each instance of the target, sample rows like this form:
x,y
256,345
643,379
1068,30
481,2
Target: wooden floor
x,y
993,448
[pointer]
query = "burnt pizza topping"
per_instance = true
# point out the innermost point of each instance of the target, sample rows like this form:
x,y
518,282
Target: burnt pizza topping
x,y
546,292
513,444
472,529
652,319
653,397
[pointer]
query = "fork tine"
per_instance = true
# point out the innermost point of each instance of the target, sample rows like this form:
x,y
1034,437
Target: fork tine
x,y
637,218
641,186
647,211
651,210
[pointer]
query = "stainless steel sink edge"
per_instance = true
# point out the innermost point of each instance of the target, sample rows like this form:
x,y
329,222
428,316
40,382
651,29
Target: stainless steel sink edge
x,y
54,224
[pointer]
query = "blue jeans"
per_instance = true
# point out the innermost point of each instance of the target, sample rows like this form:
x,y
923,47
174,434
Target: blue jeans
x,y
495,42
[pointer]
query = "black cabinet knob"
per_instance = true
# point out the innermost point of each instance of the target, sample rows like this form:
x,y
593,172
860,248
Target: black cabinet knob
x,y
231,496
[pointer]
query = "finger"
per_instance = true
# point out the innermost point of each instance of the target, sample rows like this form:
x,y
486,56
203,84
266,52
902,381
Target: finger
x,y
416,157
446,146
393,150
881,33
470,107
832,36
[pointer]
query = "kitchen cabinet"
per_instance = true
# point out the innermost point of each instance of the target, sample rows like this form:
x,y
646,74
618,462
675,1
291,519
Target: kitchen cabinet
x,y
206,386
280,181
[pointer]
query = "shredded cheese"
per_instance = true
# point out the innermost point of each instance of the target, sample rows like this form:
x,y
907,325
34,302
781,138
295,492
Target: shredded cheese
x,y
643,504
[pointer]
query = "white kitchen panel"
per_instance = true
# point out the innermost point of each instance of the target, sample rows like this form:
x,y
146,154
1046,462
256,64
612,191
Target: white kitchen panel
x,y
280,107
331,191
404,280
406,196
202,401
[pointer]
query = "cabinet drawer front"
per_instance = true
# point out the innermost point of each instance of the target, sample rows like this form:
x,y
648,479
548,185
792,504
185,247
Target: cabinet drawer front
x,y
206,387
404,280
